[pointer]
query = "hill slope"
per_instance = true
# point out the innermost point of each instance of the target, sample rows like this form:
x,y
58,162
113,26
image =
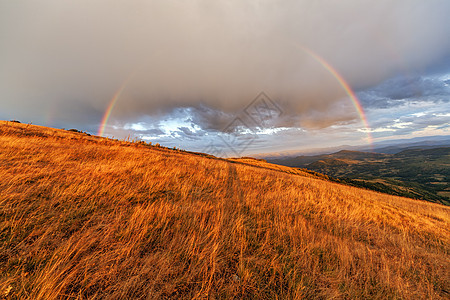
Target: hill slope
x,y
87,217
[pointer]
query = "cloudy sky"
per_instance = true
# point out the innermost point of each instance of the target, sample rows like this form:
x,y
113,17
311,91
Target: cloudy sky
x,y
229,77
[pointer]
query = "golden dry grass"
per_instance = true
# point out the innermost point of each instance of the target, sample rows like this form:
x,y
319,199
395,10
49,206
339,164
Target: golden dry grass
x,y
89,218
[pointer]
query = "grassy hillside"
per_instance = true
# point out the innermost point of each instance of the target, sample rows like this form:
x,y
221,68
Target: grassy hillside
x,y
416,173
88,218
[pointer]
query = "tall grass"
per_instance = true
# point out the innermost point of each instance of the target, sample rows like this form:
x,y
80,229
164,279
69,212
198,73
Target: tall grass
x,y
89,218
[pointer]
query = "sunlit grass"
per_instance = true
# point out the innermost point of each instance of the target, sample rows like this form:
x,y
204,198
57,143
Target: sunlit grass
x,y
86,217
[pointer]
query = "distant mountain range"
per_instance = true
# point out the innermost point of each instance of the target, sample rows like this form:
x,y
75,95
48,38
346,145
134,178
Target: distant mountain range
x,y
389,147
396,146
421,170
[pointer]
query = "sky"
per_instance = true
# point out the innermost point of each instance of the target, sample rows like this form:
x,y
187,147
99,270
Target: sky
x,y
229,77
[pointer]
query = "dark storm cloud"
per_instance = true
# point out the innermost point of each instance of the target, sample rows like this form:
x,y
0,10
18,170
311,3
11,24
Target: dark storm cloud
x,y
208,118
211,56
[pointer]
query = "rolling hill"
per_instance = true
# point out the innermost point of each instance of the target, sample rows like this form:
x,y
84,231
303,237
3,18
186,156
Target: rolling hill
x,y
87,217
414,173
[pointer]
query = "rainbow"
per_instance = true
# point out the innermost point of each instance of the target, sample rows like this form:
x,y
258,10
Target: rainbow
x,y
351,94
340,79
108,111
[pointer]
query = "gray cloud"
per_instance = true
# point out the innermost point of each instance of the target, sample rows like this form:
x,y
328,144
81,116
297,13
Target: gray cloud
x,y
400,90
214,57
